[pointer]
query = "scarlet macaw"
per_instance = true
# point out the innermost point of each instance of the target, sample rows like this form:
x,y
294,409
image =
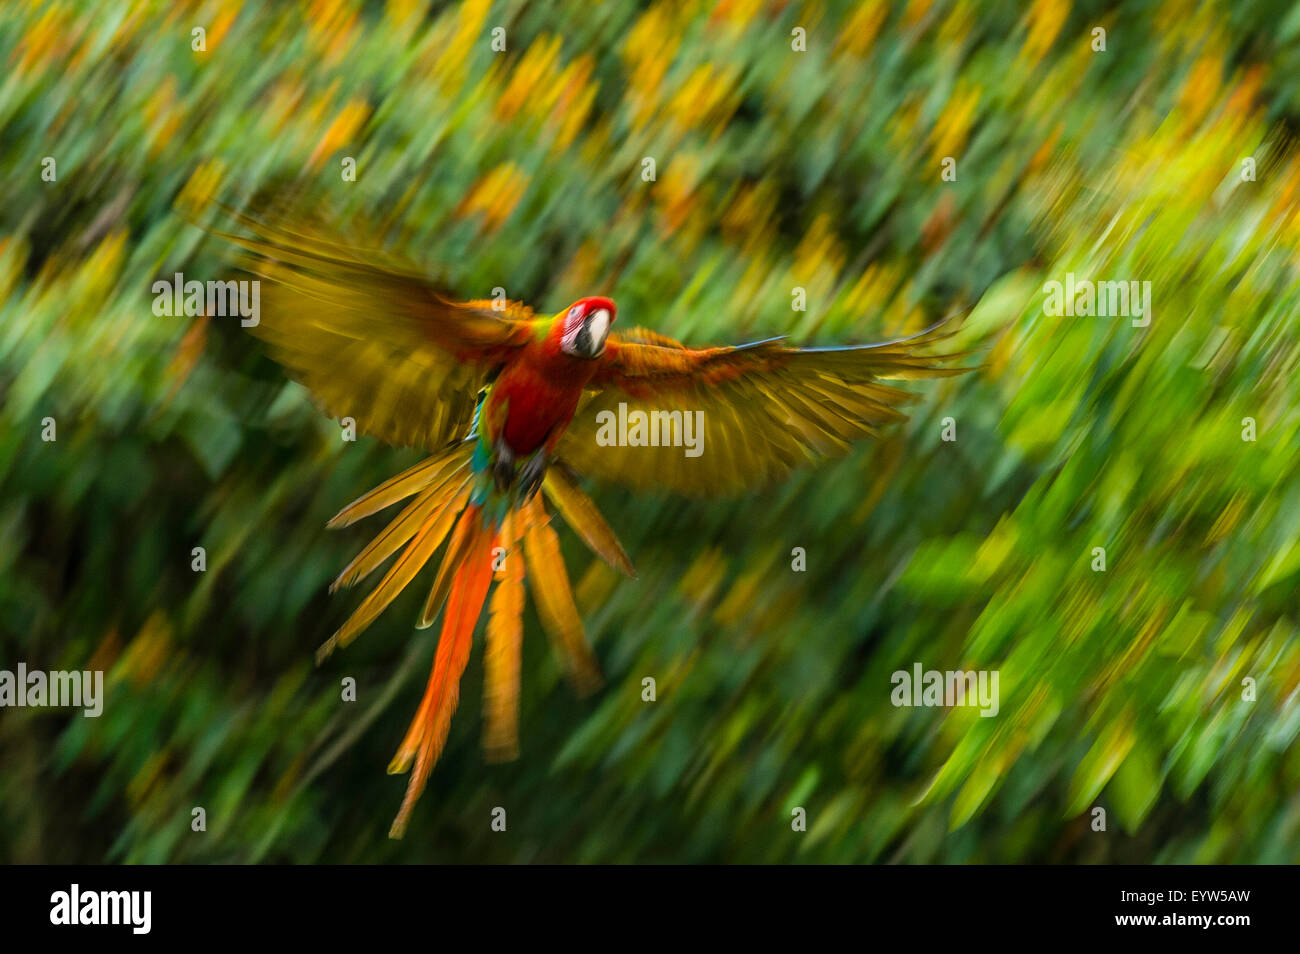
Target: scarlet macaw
x,y
509,402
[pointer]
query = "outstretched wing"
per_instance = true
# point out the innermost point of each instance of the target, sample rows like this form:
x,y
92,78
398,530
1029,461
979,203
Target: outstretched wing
x,y
372,338
757,410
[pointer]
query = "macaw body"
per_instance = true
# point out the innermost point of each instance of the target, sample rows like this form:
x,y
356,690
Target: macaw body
x,y
536,393
509,404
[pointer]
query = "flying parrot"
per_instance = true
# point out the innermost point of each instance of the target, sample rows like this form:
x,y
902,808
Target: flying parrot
x,y
508,402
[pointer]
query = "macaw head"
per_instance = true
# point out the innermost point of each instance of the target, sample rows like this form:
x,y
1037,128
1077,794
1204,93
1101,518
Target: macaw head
x,y
585,325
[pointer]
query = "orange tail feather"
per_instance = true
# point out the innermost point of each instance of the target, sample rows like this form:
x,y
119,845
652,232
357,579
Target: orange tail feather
x,y
501,660
428,732
554,601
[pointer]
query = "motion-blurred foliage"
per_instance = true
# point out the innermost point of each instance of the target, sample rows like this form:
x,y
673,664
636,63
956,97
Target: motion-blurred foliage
x,y
774,169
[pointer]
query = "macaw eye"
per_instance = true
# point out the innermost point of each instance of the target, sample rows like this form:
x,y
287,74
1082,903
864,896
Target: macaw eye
x,y
575,311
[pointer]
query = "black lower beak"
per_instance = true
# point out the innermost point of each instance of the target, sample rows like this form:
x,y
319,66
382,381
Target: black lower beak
x,y
585,346
582,343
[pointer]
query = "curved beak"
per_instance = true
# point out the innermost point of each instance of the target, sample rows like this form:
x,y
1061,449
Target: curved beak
x,y
590,340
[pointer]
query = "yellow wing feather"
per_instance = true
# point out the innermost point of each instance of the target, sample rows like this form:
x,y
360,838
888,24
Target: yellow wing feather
x,y
371,337
578,511
501,659
422,546
554,599
730,419
429,472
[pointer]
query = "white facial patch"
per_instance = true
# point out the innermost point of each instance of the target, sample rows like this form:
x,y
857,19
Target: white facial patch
x,y
585,337
598,326
572,325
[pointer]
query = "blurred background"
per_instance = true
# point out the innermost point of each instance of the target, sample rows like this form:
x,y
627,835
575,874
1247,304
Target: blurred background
x,y
774,168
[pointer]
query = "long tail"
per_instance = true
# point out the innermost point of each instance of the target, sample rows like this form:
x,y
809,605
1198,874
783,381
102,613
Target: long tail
x,y
428,732
449,499
501,659
441,491
554,599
